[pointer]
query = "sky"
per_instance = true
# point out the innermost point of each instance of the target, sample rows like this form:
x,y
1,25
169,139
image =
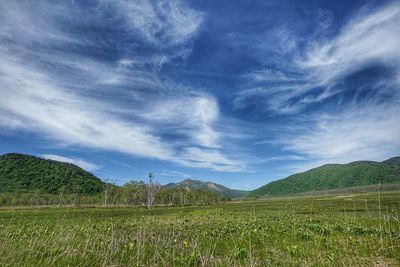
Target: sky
x,y
236,92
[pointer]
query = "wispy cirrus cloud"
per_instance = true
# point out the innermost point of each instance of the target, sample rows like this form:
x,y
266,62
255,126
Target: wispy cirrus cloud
x,y
211,159
282,158
193,117
351,118
169,173
161,22
62,86
319,66
365,133
270,75
212,89
47,108
359,43
88,166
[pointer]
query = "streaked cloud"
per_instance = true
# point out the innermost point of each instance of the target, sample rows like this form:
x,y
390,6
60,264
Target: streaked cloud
x,y
360,125
52,86
192,116
320,65
211,159
201,88
88,166
161,22
169,173
358,44
362,133
284,158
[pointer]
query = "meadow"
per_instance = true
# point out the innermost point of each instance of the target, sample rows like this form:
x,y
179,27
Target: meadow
x,y
331,230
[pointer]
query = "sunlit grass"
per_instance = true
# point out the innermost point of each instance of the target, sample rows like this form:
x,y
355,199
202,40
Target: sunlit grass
x,y
309,231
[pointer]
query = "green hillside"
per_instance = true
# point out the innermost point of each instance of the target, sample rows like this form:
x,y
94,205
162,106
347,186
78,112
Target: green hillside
x,y
332,176
209,186
393,162
23,173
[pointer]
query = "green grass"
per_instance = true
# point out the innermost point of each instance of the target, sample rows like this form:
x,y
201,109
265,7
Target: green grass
x,y
349,230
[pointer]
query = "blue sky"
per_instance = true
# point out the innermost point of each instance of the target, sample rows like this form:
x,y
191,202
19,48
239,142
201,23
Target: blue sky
x,y
237,92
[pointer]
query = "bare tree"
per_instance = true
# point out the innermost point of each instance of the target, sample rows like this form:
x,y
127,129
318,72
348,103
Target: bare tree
x,y
76,195
109,191
61,192
151,190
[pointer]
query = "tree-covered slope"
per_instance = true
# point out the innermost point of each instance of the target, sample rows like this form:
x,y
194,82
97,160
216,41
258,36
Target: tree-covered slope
x,y
393,162
209,186
333,176
23,173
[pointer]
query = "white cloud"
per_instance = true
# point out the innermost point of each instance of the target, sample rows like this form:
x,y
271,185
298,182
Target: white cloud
x,y
272,98
371,37
367,130
209,158
10,121
43,106
67,118
169,173
75,120
88,166
162,22
358,133
269,75
192,116
364,127
74,99
17,17
284,157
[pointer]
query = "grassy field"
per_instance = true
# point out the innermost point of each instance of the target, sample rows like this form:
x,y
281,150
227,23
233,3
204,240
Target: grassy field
x,y
334,230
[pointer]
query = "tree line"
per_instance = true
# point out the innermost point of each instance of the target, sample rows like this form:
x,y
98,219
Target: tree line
x,y
133,193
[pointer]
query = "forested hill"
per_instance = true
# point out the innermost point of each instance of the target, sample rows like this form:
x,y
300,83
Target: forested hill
x,y
393,163
21,173
332,176
209,186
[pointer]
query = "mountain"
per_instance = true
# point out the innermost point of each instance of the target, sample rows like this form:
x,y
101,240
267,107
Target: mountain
x,y
332,176
209,186
393,162
21,173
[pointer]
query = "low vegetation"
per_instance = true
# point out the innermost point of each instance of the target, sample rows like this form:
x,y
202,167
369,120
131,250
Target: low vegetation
x,y
127,195
56,214
336,230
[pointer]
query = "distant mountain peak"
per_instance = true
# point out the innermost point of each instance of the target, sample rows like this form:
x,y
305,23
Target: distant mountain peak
x,y
209,186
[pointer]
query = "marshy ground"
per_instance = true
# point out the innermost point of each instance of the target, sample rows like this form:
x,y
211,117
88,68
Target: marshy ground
x,y
334,230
